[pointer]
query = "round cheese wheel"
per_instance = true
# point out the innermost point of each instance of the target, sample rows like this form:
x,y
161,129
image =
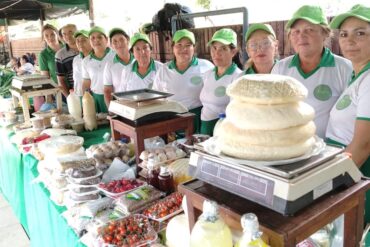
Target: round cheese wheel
x,y
281,137
268,117
267,89
262,152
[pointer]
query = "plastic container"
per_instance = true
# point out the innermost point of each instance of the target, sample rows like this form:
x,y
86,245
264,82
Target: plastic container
x,y
210,230
78,126
165,179
89,111
251,234
216,129
74,105
153,173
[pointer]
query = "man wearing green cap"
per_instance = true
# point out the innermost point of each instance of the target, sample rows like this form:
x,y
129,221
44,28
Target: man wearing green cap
x,y
93,66
183,76
114,68
84,48
324,74
349,123
262,49
64,59
213,96
141,73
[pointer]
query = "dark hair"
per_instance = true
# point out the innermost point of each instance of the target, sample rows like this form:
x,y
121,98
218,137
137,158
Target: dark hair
x,y
117,31
25,57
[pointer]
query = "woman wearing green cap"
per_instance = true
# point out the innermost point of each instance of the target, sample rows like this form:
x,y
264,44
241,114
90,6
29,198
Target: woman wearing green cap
x,y
349,123
183,76
84,48
119,40
142,71
262,49
93,67
213,95
324,74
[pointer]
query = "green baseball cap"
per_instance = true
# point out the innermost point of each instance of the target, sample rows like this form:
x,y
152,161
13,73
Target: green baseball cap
x,y
97,29
81,32
259,26
312,14
359,11
139,36
117,30
225,36
183,33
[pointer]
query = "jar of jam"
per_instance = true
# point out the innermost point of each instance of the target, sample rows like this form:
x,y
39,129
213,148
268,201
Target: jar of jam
x,y
166,183
153,173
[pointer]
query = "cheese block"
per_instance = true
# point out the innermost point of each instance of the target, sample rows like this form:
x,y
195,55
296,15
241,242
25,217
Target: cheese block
x,y
267,89
281,137
268,117
238,149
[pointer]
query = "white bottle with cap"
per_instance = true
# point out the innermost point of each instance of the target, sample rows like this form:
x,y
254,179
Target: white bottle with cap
x,y
251,234
74,105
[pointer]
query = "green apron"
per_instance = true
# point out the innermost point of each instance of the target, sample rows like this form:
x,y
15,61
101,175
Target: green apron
x,y
197,111
207,127
99,103
365,169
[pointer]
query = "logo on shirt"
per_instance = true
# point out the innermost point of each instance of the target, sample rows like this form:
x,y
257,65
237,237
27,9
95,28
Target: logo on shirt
x,y
343,103
220,91
196,80
322,92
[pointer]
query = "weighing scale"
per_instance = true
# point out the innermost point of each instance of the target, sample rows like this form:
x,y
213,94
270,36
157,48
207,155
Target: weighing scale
x,y
27,86
142,106
284,188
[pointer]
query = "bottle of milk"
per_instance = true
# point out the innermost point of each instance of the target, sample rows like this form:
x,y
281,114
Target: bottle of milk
x,y
74,105
89,112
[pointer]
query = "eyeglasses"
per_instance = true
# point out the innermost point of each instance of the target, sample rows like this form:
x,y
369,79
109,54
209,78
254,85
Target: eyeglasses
x,y
357,34
263,45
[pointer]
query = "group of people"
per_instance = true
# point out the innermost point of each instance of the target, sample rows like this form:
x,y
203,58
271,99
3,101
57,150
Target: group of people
x,y
24,65
338,87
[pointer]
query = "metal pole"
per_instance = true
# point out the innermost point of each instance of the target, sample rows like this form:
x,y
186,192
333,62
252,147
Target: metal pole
x,y
91,13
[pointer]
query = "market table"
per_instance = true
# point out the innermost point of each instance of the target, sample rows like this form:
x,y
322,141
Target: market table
x,y
283,230
40,217
158,128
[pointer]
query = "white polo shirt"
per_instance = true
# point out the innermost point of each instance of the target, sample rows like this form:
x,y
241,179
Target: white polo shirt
x,y
132,80
213,95
325,84
185,85
77,74
113,72
93,70
353,104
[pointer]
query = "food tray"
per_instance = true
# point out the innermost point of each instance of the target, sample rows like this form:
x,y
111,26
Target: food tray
x,y
141,95
169,199
116,195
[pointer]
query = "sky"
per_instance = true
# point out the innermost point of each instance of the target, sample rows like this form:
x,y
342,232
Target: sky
x,y
131,14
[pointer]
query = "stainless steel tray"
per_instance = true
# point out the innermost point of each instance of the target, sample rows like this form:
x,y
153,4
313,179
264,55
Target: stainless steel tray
x,y
141,95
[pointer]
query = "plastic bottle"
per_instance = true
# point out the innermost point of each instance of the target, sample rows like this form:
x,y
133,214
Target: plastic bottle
x,y
153,173
251,234
165,179
74,105
216,129
210,230
89,112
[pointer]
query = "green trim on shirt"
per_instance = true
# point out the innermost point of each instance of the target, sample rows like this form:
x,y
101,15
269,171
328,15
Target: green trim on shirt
x,y
363,118
81,55
92,55
151,68
327,60
229,71
117,59
333,142
172,65
354,77
249,71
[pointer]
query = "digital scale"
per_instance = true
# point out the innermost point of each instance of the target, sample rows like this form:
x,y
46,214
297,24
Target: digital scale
x,y
142,106
283,188
28,86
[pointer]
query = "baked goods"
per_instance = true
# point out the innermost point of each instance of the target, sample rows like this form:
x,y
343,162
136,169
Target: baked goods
x,y
266,119
267,89
84,171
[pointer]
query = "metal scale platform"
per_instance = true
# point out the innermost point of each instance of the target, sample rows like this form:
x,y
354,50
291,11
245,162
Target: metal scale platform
x,y
283,188
27,86
142,106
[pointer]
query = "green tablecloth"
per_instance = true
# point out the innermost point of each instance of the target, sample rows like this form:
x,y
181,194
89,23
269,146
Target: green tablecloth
x,y
37,213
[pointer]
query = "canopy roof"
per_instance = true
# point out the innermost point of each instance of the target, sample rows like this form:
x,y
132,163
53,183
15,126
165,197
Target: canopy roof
x,y
44,9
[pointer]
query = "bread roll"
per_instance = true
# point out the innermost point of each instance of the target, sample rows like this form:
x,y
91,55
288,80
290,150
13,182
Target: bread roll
x,y
268,117
281,137
267,89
